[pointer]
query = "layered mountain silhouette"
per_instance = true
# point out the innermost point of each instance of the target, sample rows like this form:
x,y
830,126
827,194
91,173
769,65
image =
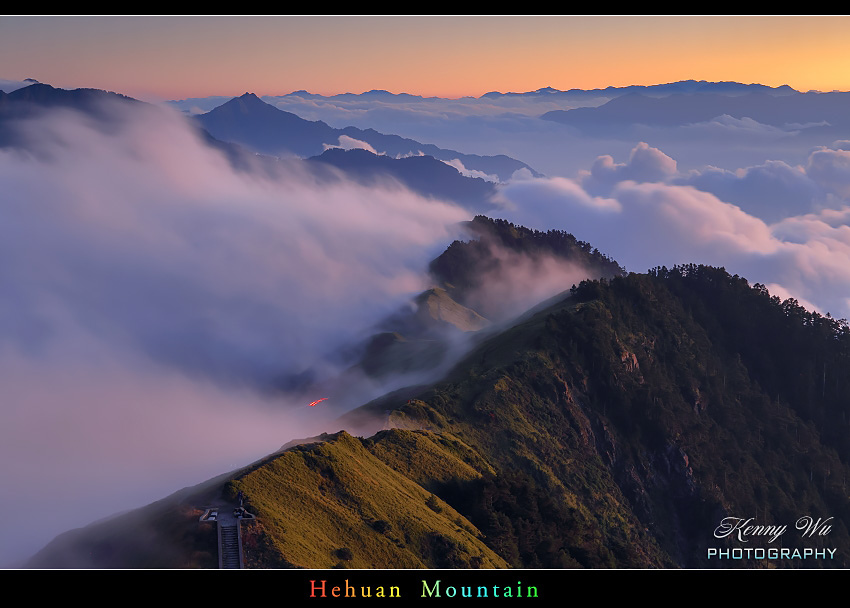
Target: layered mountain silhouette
x,y
789,111
251,122
656,90
569,97
422,174
247,124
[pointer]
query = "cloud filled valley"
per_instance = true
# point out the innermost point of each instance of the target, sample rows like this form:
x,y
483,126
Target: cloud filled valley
x,y
154,295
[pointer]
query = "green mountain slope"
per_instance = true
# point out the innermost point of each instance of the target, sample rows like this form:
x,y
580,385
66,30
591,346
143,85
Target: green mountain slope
x,y
616,427
335,503
653,407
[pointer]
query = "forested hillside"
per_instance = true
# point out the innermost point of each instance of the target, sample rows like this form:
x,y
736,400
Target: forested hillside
x,y
617,427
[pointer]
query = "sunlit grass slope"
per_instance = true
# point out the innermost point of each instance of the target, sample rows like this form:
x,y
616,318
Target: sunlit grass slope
x,y
335,503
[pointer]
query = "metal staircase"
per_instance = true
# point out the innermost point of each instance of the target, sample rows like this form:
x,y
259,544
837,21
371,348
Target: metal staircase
x,y
229,529
229,547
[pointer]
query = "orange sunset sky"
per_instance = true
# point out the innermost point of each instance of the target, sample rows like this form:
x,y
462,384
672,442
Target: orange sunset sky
x,y
172,57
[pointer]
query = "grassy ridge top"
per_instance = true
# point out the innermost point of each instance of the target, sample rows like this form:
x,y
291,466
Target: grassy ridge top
x,y
615,428
625,422
335,503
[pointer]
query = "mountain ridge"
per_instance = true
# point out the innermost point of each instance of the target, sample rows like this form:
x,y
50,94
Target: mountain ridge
x,y
687,108
613,428
275,132
680,86
424,174
616,424
689,85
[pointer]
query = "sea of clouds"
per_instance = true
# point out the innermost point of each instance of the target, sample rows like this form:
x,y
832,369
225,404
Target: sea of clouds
x,y
153,293
780,225
152,296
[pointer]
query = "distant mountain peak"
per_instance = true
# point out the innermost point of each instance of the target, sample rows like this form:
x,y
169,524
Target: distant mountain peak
x,y
244,104
262,126
250,98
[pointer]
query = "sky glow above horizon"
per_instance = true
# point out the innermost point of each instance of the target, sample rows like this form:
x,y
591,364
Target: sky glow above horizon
x,y
174,57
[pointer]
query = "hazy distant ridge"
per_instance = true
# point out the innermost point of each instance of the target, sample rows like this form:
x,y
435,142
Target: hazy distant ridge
x,y
249,121
801,109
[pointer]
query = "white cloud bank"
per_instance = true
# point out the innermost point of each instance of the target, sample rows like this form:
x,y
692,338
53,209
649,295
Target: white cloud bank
x,y
148,288
643,213
350,143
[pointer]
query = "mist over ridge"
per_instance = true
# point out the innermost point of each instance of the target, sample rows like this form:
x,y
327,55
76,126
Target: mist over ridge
x,y
154,291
